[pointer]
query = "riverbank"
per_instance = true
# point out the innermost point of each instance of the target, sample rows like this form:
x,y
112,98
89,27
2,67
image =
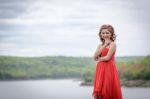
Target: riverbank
x,y
126,83
136,83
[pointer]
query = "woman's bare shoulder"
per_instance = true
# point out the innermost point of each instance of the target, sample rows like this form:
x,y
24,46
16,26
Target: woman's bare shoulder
x,y
113,44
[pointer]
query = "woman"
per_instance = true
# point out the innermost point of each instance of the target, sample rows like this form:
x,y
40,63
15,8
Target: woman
x,y
106,79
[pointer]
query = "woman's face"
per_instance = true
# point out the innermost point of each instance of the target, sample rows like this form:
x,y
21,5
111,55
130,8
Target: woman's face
x,y
105,34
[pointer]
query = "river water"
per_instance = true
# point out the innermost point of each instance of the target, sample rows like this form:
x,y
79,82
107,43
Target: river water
x,y
59,89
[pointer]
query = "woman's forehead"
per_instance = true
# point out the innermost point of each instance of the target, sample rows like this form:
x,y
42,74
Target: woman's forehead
x,y
105,30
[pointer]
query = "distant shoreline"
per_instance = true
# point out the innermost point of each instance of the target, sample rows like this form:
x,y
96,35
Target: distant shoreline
x,y
27,79
127,83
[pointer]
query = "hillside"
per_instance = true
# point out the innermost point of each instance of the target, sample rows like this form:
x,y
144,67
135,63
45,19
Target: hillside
x,y
43,67
12,67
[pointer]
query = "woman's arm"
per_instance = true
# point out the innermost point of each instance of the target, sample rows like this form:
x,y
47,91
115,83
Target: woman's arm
x,y
112,49
98,51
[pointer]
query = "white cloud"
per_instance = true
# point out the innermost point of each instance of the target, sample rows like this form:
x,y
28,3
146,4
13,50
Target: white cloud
x,y
71,28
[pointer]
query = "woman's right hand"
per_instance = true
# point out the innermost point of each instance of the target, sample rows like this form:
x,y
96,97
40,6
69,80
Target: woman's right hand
x,y
95,58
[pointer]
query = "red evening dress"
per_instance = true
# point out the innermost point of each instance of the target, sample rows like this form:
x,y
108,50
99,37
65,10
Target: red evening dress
x,y
106,80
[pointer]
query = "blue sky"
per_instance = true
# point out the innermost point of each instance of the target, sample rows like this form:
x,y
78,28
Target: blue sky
x,y
70,27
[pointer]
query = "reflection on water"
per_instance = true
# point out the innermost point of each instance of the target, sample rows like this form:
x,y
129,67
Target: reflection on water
x,y
58,89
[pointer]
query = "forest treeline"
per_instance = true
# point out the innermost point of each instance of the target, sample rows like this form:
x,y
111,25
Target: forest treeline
x,y
43,67
13,68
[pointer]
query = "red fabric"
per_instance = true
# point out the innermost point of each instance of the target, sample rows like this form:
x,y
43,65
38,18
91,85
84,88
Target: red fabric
x,y
106,79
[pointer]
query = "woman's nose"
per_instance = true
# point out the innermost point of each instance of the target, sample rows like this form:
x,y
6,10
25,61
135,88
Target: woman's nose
x,y
105,34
